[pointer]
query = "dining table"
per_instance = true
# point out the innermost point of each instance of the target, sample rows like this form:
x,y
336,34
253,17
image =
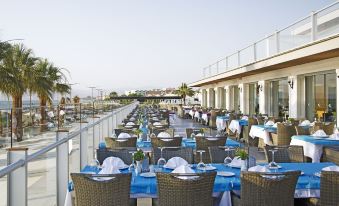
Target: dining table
x,y
221,122
237,125
308,184
313,145
263,132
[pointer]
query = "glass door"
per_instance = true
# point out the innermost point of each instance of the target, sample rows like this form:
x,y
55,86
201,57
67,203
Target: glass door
x,y
253,99
279,98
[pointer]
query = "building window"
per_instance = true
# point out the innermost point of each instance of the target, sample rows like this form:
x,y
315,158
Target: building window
x,y
279,98
320,96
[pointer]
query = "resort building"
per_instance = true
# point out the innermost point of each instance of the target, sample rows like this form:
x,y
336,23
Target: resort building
x,y
291,73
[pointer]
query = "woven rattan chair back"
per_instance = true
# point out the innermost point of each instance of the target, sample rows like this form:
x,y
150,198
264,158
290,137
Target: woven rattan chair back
x,y
203,143
162,142
112,192
122,153
302,130
218,154
284,134
121,142
329,187
184,152
190,131
176,191
287,154
258,189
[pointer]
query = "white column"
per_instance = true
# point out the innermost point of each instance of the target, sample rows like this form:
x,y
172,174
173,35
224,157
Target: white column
x,y
62,165
296,97
263,97
17,180
337,72
244,98
208,97
222,98
216,97
228,97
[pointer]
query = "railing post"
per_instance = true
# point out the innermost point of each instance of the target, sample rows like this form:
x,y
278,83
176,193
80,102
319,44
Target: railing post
x,y
276,35
17,180
267,46
62,167
255,52
238,55
83,145
226,63
313,26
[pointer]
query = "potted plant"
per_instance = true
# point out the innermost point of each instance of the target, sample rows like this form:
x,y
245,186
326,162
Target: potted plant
x,y
138,157
137,132
243,155
202,131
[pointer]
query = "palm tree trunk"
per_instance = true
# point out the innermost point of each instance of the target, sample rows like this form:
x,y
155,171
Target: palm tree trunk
x,y
43,121
17,117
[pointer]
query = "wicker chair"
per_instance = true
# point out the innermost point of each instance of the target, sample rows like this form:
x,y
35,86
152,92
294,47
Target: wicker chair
x,y
260,120
229,132
185,153
261,189
284,134
302,130
203,144
161,142
122,142
218,154
213,118
112,192
122,153
327,127
170,131
285,154
190,131
331,154
253,142
185,192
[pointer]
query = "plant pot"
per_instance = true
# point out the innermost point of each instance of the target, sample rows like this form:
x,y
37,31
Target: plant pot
x,y
243,165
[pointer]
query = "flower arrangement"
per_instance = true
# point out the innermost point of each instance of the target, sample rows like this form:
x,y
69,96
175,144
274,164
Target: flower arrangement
x,y
137,132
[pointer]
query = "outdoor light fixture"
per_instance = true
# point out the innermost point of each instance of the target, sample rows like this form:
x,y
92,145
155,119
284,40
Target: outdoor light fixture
x,y
240,88
260,87
291,82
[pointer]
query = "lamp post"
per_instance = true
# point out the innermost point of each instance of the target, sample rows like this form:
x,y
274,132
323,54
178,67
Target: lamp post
x,y
92,87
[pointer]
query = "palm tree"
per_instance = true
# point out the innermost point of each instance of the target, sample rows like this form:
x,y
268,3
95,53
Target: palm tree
x,y
184,91
48,79
16,62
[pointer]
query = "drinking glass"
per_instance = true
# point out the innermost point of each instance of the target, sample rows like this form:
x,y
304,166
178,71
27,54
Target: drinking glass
x,y
228,159
273,164
161,160
201,165
132,165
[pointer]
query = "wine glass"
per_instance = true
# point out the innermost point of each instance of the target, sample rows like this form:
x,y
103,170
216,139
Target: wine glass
x,y
273,164
228,159
201,165
161,160
132,165
95,164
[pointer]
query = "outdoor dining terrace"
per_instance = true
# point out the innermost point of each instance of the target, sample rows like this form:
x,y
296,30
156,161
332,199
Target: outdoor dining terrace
x,y
144,154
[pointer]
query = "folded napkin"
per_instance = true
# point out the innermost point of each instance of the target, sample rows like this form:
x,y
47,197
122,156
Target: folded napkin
x,y
111,165
124,135
164,135
184,169
275,125
319,133
130,123
331,168
175,162
258,168
244,118
132,119
200,135
305,123
236,162
157,124
269,123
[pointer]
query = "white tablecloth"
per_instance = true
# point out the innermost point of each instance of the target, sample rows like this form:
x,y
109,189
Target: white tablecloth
x,y
204,117
235,126
191,113
221,123
310,150
257,131
197,115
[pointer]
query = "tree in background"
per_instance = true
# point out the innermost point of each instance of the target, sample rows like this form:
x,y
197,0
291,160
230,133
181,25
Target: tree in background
x,y
184,91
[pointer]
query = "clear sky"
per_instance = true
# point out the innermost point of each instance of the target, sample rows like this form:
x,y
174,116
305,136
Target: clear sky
x,y
143,44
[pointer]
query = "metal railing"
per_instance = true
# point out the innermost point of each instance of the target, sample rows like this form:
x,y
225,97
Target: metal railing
x,y
319,25
41,178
